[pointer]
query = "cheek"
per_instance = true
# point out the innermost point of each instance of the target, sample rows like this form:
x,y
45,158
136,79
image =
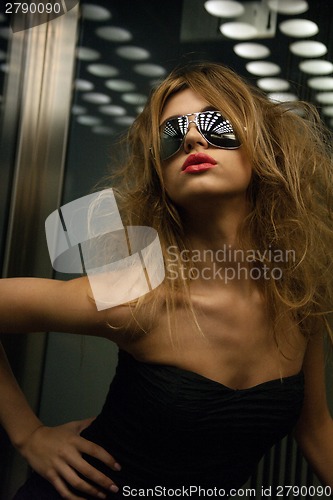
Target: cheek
x,y
245,166
169,173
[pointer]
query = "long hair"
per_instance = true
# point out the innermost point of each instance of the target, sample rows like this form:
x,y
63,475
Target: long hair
x,y
290,192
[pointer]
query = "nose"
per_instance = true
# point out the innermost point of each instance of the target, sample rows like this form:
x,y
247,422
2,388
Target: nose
x,y
193,139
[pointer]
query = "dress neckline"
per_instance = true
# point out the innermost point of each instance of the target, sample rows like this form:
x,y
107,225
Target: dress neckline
x,y
298,377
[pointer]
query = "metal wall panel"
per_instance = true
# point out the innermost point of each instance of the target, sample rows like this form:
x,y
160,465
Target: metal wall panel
x,y
33,147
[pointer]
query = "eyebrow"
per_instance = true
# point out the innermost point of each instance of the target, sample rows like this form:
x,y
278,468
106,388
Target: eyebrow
x,y
210,107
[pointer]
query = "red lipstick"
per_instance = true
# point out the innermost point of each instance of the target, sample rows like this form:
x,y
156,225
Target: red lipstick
x,y
198,162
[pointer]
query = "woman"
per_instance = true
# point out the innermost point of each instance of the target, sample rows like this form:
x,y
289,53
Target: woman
x,y
225,357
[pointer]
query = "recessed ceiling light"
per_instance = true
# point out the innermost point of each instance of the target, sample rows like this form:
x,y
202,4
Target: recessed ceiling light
x,y
5,32
321,83
103,70
325,97
120,85
94,12
238,31
133,53
328,110
112,110
224,8
88,120
308,48
261,68
298,28
78,110
151,70
133,98
114,34
87,54
96,98
124,120
103,130
316,67
83,85
251,50
282,97
273,84
288,6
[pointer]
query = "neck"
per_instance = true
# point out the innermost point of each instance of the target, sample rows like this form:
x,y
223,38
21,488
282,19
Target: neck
x,y
213,238
214,227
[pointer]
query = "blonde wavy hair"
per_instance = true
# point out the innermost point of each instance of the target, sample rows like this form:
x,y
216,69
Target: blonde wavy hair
x,y
290,191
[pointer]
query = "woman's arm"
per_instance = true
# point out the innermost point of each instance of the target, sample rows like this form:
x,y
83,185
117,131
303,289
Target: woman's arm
x,y
314,431
41,305
28,305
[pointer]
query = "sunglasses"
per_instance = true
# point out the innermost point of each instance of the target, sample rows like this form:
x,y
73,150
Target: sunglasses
x,y
213,127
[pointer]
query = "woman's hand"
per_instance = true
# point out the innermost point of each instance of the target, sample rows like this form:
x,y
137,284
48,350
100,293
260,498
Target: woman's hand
x,y
56,454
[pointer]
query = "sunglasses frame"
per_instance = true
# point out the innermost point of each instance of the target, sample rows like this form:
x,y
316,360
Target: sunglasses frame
x,y
197,124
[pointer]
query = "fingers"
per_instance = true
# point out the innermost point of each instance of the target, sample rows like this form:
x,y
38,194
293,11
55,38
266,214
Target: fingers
x,y
96,451
62,489
78,464
81,485
70,476
90,448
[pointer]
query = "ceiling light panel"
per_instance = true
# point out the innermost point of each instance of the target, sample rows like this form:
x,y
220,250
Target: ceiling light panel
x,y
261,68
103,70
83,85
96,98
78,110
120,85
93,12
238,31
316,67
125,121
88,120
151,70
251,50
134,98
114,34
224,8
298,28
133,53
288,7
308,48
325,97
112,110
5,32
87,54
103,130
328,110
273,84
321,83
282,97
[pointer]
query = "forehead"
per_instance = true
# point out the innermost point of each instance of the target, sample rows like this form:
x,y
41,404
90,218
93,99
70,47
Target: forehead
x,y
183,102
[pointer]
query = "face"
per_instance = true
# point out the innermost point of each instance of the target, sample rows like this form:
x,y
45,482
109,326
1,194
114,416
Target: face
x,y
200,171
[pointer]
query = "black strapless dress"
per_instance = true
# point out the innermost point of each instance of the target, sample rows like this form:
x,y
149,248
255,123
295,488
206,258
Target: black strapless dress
x,y
173,428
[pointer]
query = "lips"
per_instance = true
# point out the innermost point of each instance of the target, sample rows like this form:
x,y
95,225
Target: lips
x,y
198,162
